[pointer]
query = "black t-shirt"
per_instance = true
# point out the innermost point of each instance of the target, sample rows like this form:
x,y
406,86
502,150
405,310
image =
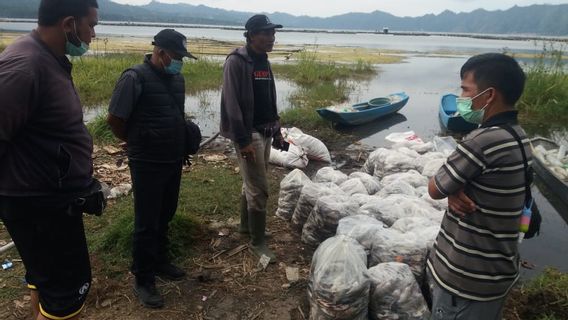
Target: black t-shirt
x,y
264,104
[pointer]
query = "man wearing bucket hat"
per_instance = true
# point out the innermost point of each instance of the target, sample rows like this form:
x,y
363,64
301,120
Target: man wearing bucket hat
x,y
147,111
249,118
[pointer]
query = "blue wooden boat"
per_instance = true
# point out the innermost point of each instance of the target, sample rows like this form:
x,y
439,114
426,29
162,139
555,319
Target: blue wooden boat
x,y
367,111
448,117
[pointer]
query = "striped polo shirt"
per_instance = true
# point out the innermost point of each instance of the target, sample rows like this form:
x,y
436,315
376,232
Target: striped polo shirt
x,y
476,257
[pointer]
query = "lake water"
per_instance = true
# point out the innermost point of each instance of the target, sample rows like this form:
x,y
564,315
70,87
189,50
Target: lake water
x,y
423,78
375,41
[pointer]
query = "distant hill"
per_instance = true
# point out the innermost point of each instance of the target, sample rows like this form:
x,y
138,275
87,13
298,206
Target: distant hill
x,y
549,20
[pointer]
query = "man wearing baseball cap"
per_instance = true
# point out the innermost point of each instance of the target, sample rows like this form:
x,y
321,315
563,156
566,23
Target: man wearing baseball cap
x,y
249,118
147,111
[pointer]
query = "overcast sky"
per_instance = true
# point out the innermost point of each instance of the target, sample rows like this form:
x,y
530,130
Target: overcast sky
x,y
326,8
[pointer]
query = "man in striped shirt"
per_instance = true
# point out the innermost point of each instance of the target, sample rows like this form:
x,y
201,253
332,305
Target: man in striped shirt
x,y
475,260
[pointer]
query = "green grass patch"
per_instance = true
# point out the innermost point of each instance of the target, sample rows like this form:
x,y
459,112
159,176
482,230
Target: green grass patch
x,y
544,104
308,70
100,130
542,298
208,192
95,76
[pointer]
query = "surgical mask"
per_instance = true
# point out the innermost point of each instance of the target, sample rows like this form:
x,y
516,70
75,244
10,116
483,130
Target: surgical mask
x,y
174,67
74,50
468,114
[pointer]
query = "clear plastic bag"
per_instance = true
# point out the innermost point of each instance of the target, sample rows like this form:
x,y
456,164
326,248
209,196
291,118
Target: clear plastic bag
x,y
412,177
362,199
397,206
411,224
338,287
397,187
353,186
372,184
391,245
361,228
421,161
290,190
445,145
395,294
328,174
420,147
308,197
324,218
375,160
432,167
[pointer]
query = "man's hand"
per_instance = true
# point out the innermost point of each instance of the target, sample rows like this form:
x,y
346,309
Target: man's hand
x,y
248,153
461,204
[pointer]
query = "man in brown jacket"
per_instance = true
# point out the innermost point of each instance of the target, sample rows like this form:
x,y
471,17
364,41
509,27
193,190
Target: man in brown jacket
x,y
249,118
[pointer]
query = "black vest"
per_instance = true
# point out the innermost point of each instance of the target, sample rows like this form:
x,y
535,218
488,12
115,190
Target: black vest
x,y
156,129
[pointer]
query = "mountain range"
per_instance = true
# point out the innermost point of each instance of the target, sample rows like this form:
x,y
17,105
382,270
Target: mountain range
x,y
551,20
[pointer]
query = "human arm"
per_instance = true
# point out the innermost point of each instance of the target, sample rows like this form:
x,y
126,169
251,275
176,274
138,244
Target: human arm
x,y
232,98
461,167
124,98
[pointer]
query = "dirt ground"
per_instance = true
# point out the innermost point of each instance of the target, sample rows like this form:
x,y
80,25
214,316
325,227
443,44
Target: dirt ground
x,y
224,279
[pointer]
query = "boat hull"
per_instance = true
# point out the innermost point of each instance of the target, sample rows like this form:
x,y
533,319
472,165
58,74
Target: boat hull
x,y
556,186
366,114
448,119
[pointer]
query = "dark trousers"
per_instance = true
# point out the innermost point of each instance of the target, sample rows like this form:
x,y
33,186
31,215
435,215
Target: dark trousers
x,y
156,192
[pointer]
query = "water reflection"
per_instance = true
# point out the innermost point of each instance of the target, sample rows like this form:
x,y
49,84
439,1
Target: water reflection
x,y
204,106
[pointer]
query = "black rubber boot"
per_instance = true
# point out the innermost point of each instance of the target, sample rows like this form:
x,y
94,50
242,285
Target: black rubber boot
x,y
257,226
244,226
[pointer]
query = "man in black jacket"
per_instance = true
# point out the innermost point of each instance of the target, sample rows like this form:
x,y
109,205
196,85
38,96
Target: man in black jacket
x,y
147,111
46,156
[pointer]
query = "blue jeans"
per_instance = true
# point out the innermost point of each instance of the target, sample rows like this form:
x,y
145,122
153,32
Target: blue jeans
x,y
447,306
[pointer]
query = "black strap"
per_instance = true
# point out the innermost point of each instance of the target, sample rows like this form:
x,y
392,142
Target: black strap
x,y
528,175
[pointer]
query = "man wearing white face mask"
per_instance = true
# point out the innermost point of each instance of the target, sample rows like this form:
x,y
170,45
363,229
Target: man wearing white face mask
x,y
46,156
147,111
475,260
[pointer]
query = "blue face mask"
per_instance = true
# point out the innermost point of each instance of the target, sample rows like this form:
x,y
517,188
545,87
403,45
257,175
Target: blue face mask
x,y
74,50
468,114
174,67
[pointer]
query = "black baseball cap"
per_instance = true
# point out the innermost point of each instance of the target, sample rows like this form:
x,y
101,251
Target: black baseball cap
x,y
260,22
174,41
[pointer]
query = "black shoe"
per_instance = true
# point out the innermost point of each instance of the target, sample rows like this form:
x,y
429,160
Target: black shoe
x,y
148,295
170,272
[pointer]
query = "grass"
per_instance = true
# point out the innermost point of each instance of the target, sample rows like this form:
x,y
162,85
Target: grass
x,y
308,70
95,76
543,298
100,130
544,104
209,192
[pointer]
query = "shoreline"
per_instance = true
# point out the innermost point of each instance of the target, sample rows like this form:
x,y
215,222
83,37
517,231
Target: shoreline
x,y
514,37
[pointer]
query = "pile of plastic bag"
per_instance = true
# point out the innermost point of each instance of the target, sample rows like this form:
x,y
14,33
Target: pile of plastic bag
x,y
386,209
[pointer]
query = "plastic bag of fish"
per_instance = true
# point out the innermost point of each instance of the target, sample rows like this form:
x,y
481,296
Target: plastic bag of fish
x,y
339,285
395,294
324,218
290,190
